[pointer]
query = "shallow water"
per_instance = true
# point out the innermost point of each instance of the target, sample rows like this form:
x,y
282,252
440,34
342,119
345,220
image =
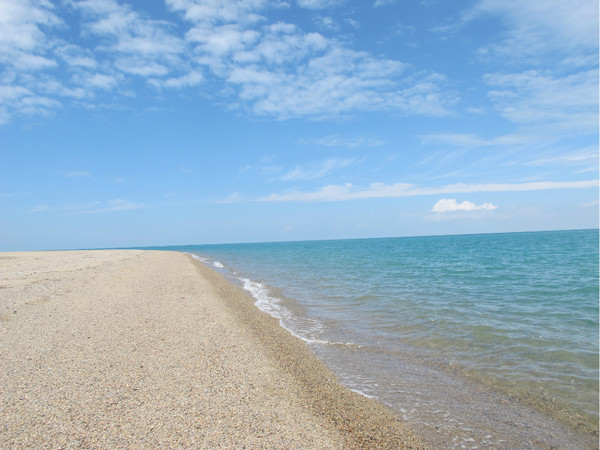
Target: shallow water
x,y
446,329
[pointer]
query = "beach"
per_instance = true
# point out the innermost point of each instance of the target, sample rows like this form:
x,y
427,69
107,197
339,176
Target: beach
x,y
130,348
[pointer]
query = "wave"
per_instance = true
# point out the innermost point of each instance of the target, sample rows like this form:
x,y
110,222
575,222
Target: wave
x,y
304,328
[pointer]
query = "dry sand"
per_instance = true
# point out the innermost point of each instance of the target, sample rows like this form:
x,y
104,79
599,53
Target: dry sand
x,y
145,349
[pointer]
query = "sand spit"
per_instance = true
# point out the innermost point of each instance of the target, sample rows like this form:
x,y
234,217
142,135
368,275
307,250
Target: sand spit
x,y
152,349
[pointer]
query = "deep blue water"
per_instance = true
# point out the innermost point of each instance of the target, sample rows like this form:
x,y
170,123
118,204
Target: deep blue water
x,y
517,312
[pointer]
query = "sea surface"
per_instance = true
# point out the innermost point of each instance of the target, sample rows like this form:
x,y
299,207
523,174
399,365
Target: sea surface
x,y
486,340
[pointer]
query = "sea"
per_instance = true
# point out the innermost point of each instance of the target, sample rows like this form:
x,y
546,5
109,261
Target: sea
x,y
478,341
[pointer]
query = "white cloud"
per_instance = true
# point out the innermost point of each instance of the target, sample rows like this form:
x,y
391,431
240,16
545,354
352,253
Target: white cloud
x,y
543,71
223,39
11,93
37,105
347,192
104,207
95,207
137,66
588,156
471,141
546,108
77,57
21,25
213,11
326,23
29,62
26,53
319,4
272,69
593,204
315,171
541,28
379,3
561,104
451,205
14,194
56,88
336,140
193,78
40,208
96,81
279,70
131,43
78,174
234,197
339,82
548,80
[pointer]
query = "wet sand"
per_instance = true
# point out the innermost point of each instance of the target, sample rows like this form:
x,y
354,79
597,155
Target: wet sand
x,y
142,348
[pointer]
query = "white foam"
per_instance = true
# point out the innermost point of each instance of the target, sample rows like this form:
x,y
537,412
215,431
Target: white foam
x,y
199,258
271,305
263,300
362,393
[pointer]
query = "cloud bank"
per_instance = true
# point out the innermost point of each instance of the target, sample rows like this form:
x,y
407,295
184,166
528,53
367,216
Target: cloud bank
x,y
266,67
345,192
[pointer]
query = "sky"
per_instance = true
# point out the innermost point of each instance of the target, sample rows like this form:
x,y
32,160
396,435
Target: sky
x,y
173,122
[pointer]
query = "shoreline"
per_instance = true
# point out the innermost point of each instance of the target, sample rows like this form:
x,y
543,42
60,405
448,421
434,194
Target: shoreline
x,y
133,347
465,399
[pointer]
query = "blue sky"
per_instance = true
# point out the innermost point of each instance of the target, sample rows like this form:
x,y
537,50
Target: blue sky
x,y
131,123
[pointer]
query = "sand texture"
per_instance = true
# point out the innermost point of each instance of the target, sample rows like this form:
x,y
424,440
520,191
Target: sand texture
x,y
152,349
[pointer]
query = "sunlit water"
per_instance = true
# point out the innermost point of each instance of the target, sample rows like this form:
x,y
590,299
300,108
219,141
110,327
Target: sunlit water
x,y
468,337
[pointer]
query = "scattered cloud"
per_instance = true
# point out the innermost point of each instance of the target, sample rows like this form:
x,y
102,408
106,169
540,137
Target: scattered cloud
x,y
314,171
96,81
587,156
451,205
95,207
540,29
105,207
548,80
562,104
78,57
29,54
14,194
339,82
271,169
78,174
353,23
193,78
135,44
319,4
273,69
326,23
23,42
347,191
234,197
379,3
281,71
277,69
546,108
473,141
40,208
337,140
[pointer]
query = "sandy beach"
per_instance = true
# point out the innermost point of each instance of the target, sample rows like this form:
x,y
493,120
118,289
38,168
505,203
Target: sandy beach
x,y
141,348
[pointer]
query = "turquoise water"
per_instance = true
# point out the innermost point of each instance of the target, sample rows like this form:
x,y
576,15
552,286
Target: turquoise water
x,y
453,318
